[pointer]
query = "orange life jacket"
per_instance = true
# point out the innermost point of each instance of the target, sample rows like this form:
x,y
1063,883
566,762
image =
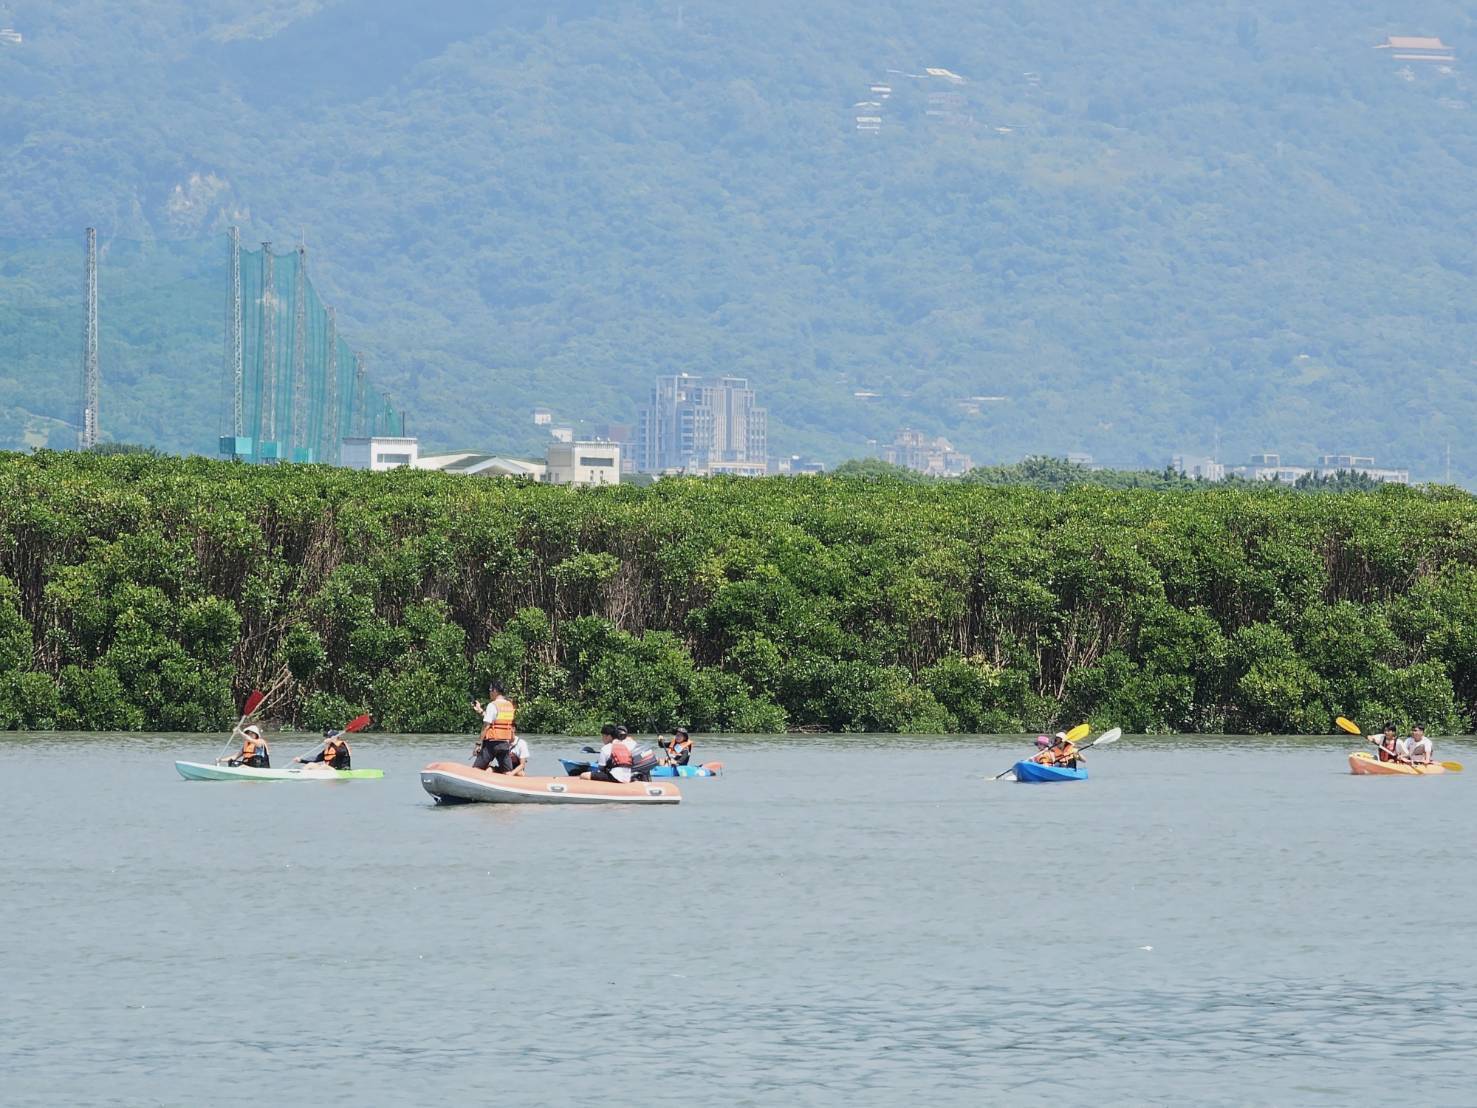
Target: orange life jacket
x,y
254,751
1046,758
680,750
620,754
500,730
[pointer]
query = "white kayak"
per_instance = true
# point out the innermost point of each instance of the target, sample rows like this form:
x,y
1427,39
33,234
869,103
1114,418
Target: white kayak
x,y
312,771
454,783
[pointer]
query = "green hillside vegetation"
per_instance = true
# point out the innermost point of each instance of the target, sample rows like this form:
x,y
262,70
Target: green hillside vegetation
x,y
153,592
1136,226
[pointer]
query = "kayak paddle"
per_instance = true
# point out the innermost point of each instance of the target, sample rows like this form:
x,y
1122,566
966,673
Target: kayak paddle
x,y
1072,736
358,723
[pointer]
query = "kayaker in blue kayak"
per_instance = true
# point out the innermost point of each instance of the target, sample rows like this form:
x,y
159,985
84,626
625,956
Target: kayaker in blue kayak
x,y
614,761
1061,752
678,748
334,752
254,751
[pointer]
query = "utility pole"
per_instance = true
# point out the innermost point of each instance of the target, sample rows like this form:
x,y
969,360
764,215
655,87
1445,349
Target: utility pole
x,y
299,431
234,345
268,348
360,415
91,384
331,423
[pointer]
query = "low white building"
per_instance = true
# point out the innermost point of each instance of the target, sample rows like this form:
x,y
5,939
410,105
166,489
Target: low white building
x,y
379,452
471,463
584,463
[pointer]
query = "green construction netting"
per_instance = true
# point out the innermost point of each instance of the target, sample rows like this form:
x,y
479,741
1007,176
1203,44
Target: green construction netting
x,y
167,377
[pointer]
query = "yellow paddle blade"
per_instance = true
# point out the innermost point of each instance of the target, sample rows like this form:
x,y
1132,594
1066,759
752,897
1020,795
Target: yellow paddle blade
x,y
1453,767
1349,725
1078,732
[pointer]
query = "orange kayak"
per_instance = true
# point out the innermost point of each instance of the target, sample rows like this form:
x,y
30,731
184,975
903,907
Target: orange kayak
x,y
1368,764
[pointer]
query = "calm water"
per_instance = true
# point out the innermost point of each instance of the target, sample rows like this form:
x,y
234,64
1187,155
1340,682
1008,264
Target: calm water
x,y
832,922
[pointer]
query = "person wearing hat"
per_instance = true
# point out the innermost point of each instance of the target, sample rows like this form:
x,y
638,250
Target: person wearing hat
x,y
254,751
1043,754
499,748
1064,751
678,748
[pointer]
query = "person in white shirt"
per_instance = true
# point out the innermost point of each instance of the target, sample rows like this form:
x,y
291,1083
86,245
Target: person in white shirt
x,y
518,755
613,763
1417,749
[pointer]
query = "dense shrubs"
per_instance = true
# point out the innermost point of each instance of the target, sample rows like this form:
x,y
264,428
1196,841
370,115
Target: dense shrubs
x,y
142,592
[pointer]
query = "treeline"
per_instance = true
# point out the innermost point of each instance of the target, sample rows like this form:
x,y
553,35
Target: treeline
x,y
148,592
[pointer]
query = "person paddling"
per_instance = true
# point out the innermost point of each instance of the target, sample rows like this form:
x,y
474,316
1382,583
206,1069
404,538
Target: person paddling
x,y
495,749
1043,755
1064,752
678,748
614,761
254,751
1418,749
334,753
1388,743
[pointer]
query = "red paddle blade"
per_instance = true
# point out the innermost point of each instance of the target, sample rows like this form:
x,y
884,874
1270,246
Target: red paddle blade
x,y
358,723
253,702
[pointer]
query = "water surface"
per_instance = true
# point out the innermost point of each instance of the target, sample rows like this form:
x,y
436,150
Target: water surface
x,y
834,921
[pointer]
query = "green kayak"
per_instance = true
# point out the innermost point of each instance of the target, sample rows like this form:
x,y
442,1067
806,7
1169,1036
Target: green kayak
x,y
316,771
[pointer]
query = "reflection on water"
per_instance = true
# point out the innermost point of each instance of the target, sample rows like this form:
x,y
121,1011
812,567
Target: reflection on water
x,y
852,920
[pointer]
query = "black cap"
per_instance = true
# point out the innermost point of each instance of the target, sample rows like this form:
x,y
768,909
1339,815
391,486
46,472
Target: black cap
x,y
621,732
681,731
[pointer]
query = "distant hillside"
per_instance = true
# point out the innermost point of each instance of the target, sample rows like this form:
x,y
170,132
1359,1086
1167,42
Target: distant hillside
x,y
1129,227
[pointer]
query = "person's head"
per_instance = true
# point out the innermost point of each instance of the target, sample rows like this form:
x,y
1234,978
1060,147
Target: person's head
x,y
621,732
608,731
1061,738
1042,741
330,734
1418,732
1389,730
680,733
494,688
253,731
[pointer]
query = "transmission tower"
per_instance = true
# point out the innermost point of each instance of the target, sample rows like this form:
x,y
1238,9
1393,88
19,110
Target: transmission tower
x,y
361,417
91,384
299,432
234,345
269,348
331,424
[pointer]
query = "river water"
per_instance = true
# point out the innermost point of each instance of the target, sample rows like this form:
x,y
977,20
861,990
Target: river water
x,y
834,921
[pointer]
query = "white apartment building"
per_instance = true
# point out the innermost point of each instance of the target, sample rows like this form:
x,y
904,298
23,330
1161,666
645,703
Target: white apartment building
x,y
379,452
584,463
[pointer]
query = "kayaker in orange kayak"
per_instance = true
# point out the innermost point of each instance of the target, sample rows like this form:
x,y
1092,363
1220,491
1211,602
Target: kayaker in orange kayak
x,y
254,751
1418,749
1388,743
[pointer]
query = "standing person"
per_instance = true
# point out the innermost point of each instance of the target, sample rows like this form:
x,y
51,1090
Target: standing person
x,y
678,748
614,761
1389,744
254,751
1418,749
496,745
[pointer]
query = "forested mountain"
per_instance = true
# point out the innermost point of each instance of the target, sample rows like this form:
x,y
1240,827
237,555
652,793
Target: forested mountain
x,y
1126,229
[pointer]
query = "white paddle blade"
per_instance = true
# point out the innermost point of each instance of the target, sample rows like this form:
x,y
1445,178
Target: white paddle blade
x,y
1109,736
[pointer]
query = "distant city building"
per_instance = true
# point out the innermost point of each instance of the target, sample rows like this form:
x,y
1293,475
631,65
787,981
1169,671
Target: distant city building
x,y
478,464
562,434
702,425
934,456
798,464
1270,467
380,452
1205,469
584,463
542,417
1408,48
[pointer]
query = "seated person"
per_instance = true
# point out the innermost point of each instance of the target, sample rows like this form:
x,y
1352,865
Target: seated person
x,y
678,748
334,753
254,751
614,761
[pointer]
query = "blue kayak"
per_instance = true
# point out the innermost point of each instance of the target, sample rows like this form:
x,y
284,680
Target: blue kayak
x,y
1036,773
574,769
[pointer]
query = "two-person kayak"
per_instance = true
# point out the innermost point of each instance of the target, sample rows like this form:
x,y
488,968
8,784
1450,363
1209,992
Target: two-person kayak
x,y
454,783
312,771
574,768
1034,773
1368,765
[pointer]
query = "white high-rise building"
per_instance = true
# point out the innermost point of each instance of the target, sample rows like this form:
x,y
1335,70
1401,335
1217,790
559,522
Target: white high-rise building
x,y
702,425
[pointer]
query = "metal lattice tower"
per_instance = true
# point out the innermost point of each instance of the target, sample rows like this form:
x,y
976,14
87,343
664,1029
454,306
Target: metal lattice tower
x,y
298,434
235,347
269,347
91,382
361,416
331,423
